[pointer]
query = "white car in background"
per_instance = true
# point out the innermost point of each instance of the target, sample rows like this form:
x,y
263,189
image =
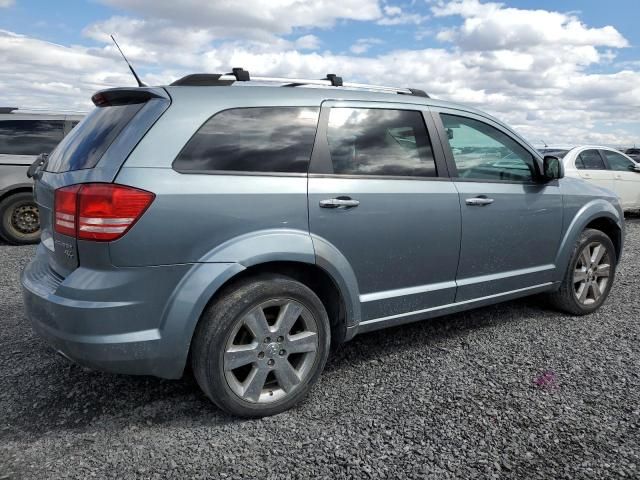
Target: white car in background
x,y
603,166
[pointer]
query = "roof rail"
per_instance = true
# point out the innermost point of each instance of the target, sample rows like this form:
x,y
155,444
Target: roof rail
x,y
331,80
7,109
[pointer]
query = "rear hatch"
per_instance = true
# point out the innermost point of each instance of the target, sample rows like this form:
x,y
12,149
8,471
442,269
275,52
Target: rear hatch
x,y
94,151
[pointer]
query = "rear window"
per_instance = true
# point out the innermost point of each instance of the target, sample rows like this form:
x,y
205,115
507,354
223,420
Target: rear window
x,y
86,143
382,142
258,139
590,160
29,137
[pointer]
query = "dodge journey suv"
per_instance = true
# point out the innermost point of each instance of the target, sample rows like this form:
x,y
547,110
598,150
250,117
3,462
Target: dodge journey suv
x,y
243,229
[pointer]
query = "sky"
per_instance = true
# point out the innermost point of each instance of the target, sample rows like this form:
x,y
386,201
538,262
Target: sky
x,y
562,72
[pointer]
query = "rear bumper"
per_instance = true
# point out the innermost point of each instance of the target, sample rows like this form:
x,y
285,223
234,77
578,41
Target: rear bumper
x,y
111,320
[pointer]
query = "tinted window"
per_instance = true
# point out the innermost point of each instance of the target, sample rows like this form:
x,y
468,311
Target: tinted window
x,y
590,160
617,161
365,141
485,153
29,137
271,139
86,143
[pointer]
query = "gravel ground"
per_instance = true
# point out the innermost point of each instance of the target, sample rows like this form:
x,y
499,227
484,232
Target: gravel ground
x,y
513,390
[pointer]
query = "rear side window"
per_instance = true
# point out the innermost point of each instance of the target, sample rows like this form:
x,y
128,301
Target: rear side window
x,y
87,142
29,137
617,161
590,160
259,139
368,141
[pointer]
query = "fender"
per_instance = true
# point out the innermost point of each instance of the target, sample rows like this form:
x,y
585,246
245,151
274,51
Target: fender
x,y
204,279
597,208
184,308
329,258
265,246
294,246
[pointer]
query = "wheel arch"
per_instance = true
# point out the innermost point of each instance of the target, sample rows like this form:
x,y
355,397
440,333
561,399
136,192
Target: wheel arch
x,y
312,276
14,189
607,226
599,214
289,253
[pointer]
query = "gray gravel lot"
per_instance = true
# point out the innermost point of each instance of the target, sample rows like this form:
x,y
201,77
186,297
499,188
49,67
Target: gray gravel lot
x,y
514,390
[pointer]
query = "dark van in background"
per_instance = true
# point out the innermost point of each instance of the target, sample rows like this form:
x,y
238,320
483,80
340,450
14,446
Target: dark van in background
x,y
25,134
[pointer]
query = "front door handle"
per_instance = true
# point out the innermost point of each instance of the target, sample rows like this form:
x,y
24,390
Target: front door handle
x,y
479,201
339,202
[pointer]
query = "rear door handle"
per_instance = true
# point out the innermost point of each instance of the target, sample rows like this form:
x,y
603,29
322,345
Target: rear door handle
x,y
339,202
479,201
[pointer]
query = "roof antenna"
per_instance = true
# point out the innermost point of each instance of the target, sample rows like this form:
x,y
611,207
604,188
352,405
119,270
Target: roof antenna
x,y
545,143
140,84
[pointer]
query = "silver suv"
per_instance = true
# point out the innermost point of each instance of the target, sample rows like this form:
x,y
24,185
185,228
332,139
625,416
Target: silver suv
x,y
25,134
245,229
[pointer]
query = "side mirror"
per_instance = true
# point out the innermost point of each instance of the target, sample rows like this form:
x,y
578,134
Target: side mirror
x,y
635,167
552,168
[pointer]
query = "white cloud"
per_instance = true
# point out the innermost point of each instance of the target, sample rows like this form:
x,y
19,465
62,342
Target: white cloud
x,y
491,26
253,17
308,42
362,45
6,3
394,15
36,74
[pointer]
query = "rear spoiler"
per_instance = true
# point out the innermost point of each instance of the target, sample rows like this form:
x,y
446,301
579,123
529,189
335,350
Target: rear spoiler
x,y
126,96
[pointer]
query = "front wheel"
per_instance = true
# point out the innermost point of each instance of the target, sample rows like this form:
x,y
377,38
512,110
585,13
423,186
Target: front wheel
x,y
19,219
260,347
589,277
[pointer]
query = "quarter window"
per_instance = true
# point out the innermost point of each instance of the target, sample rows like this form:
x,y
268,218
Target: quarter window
x,y
590,160
371,141
482,152
29,137
261,139
617,161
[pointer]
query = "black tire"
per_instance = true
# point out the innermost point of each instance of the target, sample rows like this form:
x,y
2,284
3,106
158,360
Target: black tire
x,y
565,298
13,232
220,322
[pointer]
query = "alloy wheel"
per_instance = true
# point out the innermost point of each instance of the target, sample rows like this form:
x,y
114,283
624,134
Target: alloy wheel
x,y
271,351
591,274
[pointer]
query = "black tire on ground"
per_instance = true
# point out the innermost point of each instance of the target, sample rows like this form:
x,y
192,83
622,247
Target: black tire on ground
x,y
19,219
219,325
565,298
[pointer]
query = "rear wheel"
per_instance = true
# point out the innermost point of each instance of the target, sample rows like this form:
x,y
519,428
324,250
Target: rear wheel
x,y
20,219
589,277
258,350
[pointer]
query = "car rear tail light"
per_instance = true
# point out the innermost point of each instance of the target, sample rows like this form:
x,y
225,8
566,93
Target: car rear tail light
x,y
99,211
65,210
